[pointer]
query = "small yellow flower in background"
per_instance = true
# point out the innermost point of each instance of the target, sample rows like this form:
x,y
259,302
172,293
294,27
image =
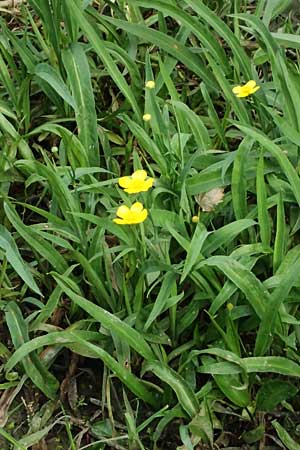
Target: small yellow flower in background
x,y
147,117
150,84
137,182
195,219
246,90
129,216
230,306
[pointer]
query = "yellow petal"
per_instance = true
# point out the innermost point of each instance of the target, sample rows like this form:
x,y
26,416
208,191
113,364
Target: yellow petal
x,y
120,221
139,175
255,89
251,84
122,211
124,182
148,184
236,89
243,94
136,207
132,190
143,215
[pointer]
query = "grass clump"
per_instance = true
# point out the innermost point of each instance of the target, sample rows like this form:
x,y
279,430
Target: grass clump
x,y
149,236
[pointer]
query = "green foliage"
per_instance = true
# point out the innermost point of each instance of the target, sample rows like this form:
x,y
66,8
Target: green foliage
x,y
193,313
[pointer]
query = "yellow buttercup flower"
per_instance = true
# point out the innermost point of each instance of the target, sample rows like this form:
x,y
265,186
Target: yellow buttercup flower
x,y
150,84
147,117
138,182
129,216
195,219
246,90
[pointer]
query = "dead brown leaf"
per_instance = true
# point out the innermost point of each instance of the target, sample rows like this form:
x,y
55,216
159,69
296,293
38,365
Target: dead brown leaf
x,y
210,199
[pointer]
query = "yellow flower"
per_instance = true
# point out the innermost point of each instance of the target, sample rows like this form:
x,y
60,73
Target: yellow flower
x,y
150,84
138,182
246,90
130,216
195,219
147,117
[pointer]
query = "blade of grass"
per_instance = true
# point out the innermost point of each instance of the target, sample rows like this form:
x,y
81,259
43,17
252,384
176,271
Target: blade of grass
x,y
194,250
261,198
184,393
164,294
33,366
207,15
13,256
169,45
40,245
77,68
53,78
284,436
238,181
244,279
278,154
103,54
270,316
281,235
108,320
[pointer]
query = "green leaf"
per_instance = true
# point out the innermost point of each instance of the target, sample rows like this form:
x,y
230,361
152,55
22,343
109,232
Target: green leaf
x,y
40,245
104,55
185,395
33,366
286,39
244,279
223,236
53,78
270,315
13,256
284,436
233,389
272,392
255,435
44,9
281,235
194,250
202,425
238,182
279,155
79,76
196,125
9,130
165,292
108,320
167,43
261,197
209,17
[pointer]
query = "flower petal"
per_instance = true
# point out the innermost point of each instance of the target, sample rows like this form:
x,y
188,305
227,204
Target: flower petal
x,y
139,175
132,190
255,89
124,182
120,221
236,89
243,94
251,84
122,211
137,207
148,184
143,215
